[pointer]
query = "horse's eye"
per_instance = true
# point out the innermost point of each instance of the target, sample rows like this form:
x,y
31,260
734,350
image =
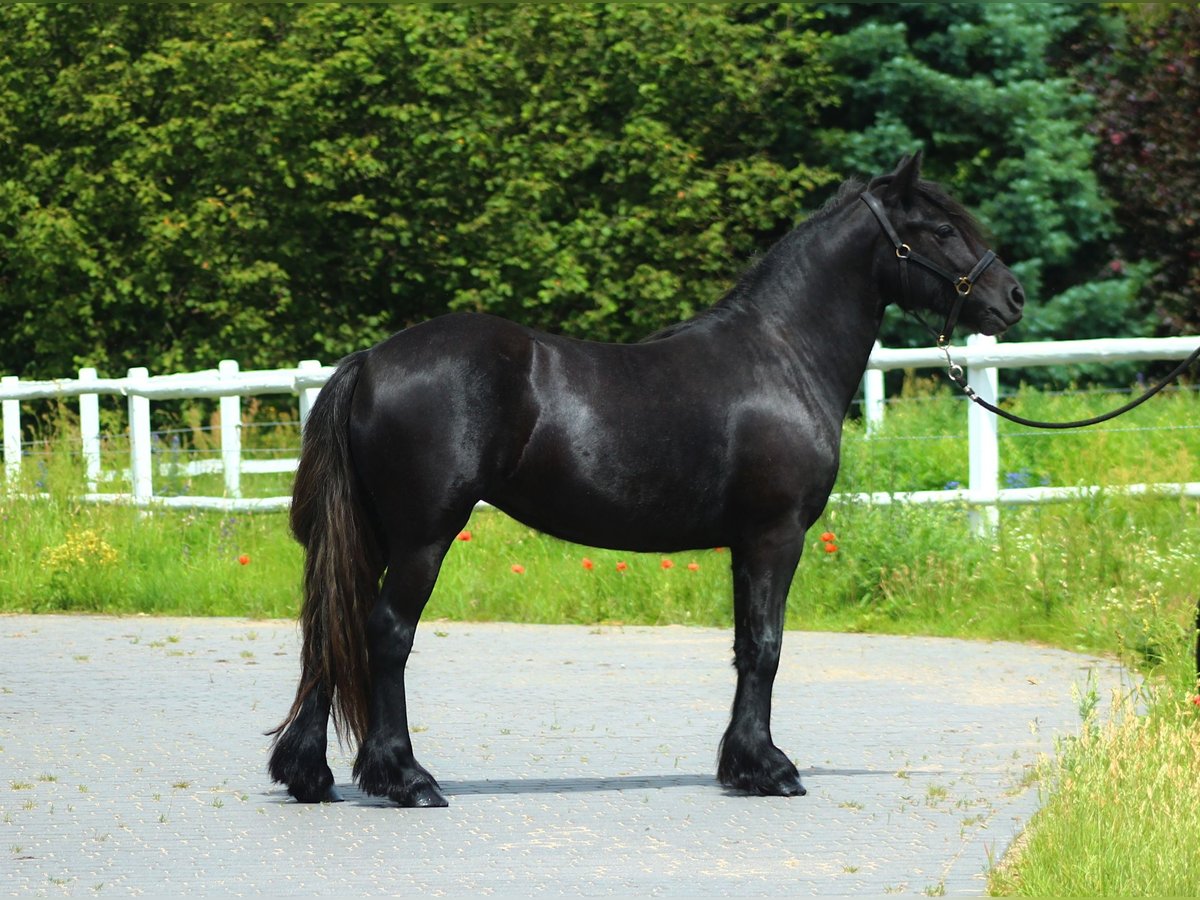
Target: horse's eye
x,y
944,231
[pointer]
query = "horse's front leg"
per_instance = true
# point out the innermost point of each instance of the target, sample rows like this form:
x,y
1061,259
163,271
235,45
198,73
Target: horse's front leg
x,y
762,573
385,765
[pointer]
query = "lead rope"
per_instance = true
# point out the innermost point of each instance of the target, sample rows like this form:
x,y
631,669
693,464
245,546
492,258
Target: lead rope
x,y
955,372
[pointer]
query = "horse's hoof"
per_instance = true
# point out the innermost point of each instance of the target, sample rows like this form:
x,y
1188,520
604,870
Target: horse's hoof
x,y
792,789
323,794
762,785
310,787
419,795
766,773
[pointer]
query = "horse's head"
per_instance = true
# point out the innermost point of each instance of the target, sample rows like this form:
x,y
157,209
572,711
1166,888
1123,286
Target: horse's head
x,y
931,255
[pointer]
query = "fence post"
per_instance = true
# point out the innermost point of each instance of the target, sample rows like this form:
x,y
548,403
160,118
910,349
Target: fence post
x,y
308,396
873,397
11,412
984,445
89,429
141,449
231,431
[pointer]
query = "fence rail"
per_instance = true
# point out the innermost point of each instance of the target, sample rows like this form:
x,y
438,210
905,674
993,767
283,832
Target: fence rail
x,y
982,357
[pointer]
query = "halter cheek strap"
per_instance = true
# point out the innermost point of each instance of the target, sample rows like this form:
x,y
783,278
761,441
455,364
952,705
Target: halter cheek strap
x,y
905,253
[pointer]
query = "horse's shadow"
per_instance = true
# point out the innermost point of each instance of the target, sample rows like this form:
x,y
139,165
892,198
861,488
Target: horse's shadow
x,y
350,793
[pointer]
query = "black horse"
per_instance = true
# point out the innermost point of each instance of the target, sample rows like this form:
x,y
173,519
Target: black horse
x,y
721,431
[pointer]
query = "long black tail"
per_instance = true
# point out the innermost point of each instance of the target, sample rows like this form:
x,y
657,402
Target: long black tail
x,y
342,562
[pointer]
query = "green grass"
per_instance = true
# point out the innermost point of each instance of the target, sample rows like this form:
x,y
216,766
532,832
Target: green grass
x,y
1121,813
1113,574
1080,575
157,562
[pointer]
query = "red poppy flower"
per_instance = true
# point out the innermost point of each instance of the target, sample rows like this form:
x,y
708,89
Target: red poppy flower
x,y
621,567
464,535
667,564
693,567
828,536
1196,700
718,549
588,564
518,569
244,559
831,547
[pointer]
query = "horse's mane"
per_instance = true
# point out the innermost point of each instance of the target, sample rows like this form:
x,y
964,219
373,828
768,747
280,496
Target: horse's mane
x,y
847,193
725,307
930,190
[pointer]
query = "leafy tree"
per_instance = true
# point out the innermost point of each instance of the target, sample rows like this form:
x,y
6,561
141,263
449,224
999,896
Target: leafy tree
x,y
978,86
1146,81
184,183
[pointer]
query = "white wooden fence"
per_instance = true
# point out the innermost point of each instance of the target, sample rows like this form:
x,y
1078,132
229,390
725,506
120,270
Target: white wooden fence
x,y
228,383
982,357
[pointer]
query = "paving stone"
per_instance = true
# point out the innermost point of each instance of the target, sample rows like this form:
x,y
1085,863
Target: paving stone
x,y
578,761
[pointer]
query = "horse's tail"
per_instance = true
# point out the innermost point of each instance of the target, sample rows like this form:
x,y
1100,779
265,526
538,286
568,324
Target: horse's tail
x,y
342,560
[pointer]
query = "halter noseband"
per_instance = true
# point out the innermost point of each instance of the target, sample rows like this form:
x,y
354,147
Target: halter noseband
x,y
904,253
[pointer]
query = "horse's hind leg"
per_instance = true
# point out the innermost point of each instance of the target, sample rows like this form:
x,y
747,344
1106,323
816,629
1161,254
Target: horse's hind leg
x,y
762,573
386,765
298,757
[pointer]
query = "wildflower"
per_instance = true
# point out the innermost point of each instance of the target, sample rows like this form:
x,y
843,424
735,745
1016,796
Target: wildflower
x,y
718,549
693,567
81,548
830,547
1196,700
621,566
588,564
464,535
518,569
244,560
1019,479
667,564
828,537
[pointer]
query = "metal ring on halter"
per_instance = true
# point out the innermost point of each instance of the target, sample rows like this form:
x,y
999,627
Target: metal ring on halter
x,y
963,286
907,251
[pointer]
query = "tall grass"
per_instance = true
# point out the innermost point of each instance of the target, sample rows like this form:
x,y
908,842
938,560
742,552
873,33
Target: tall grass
x,y
1111,573
1121,809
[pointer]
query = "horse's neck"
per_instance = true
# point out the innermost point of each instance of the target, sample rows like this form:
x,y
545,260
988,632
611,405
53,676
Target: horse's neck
x,y
823,301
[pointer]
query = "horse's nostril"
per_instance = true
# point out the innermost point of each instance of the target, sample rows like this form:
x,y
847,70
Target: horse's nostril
x,y
1017,297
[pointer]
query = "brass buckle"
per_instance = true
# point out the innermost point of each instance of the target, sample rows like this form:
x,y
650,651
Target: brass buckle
x,y
963,286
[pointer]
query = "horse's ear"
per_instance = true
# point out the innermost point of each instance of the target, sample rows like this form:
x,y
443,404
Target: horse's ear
x,y
903,183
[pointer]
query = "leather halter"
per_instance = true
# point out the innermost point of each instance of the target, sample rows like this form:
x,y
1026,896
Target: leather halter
x,y
906,254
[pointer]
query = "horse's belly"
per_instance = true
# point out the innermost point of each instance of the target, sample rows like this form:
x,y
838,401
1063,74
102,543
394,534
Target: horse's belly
x,y
652,515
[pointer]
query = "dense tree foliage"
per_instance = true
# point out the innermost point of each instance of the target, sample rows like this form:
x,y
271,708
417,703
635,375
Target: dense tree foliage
x,y
1146,80
272,182
978,85
183,183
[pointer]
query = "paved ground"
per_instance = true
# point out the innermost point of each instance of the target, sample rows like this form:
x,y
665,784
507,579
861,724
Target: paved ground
x,y
577,761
